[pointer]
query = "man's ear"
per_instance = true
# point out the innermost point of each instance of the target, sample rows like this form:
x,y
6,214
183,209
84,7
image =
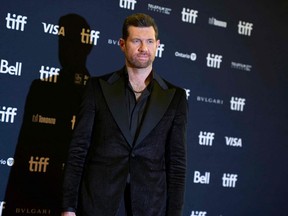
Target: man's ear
x,y
158,42
122,44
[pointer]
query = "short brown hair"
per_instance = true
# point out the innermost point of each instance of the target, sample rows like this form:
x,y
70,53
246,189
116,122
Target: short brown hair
x,y
138,20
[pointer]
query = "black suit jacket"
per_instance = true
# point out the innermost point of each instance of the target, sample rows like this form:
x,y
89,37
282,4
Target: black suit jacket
x,y
102,151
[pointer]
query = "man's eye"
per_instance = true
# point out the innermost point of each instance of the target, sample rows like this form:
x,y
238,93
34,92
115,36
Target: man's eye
x,y
150,41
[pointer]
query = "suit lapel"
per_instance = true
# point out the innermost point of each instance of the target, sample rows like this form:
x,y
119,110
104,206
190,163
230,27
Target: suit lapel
x,y
114,93
157,106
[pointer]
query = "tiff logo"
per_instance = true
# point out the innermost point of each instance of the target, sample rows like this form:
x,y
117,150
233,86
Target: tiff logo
x,y
38,165
7,114
189,15
2,206
73,121
213,60
49,74
198,213
160,50
245,28
16,22
187,93
237,104
201,179
229,180
128,4
206,138
89,36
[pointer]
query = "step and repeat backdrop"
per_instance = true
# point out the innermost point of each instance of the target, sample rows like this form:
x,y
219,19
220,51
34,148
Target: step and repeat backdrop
x,y
229,56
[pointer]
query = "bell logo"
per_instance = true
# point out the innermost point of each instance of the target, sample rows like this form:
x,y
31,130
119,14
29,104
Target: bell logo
x,y
201,179
38,164
11,70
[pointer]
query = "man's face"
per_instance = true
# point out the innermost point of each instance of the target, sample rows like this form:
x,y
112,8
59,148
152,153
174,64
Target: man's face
x,y
140,47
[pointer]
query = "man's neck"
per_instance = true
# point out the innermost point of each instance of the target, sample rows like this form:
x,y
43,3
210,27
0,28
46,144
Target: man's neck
x,y
139,76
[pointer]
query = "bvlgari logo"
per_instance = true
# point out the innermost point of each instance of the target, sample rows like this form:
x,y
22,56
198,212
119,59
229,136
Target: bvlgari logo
x,y
210,100
32,211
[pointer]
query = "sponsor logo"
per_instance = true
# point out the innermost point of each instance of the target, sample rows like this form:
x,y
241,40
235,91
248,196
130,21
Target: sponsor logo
x,y
233,141
44,120
229,180
237,104
198,213
215,22
240,66
159,9
16,22
8,162
210,100
160,50
53,29
2,206
113,42
206,138
7,114
245,28
201,179
189,15
32,211
127,4
39,164
49,74
191,56
214,60
12,69
89,36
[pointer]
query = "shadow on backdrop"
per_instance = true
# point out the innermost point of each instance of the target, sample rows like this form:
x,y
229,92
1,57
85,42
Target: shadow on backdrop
x,y
35,181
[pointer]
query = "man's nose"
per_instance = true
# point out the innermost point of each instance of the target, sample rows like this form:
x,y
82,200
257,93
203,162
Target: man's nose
x,y
143,47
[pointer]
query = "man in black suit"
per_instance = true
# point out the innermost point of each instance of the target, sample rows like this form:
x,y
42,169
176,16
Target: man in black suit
x,y
130,140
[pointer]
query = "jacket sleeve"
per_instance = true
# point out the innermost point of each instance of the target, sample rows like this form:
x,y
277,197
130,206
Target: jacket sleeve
x,y
78,150
176,158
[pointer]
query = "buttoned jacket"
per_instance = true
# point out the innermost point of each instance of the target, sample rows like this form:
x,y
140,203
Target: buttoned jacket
x,y
102,152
